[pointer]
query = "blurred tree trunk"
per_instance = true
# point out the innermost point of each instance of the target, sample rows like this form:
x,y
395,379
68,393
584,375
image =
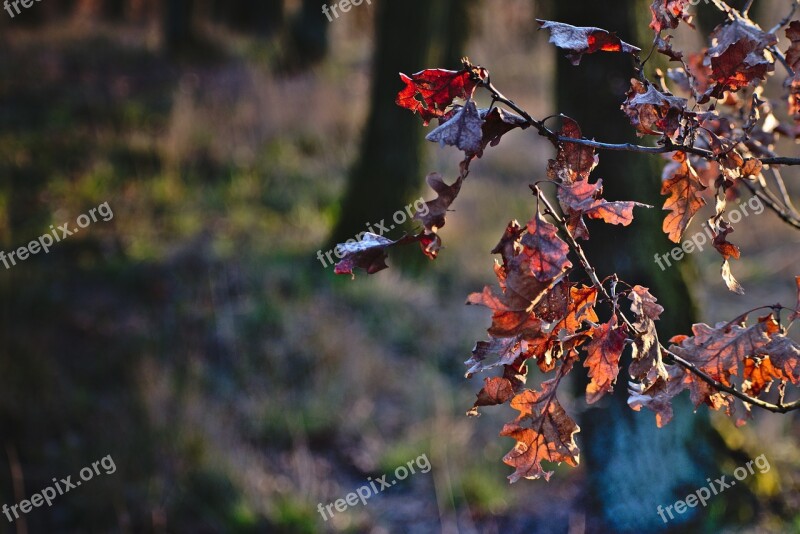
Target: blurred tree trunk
x,y
411,35
632,466
262,18
308,36
178,25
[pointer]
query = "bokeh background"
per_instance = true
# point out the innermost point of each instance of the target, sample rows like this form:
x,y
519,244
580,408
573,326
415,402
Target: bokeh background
x,y
235,381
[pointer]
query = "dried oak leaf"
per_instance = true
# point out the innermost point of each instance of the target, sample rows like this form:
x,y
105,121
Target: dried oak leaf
x,y
644,304
434,217
368,254
430,92
667,14
574,162
647,364
464,130
739,56
496,390
497,123
664,46
652,112
602,360
549,252
721,243
719,352
580,40
582,198
498,351
543,431
684,188
659,394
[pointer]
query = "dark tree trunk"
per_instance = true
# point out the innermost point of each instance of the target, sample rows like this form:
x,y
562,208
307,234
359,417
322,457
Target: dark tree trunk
x,y
632,466
179,34
308,36
411,35
262,18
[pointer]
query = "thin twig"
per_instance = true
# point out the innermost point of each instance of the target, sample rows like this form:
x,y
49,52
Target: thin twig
x,y
786,217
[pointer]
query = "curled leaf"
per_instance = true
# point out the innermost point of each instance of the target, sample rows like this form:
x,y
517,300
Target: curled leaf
x,y
580,40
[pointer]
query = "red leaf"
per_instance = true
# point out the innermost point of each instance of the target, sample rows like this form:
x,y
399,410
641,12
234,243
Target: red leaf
x,y
579,41
667,14
738,57
582,198
683,186
796,314
724,247
430,92
603,354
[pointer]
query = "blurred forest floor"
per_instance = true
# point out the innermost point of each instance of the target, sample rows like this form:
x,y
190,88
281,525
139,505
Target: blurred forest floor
x,y
195,337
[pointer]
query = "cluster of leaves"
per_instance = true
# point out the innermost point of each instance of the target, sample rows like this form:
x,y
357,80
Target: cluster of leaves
x,y
719,133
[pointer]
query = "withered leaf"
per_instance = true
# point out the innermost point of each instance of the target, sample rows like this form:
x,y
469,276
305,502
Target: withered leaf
x,y
574,162
740,56
543,431
435,214
730,281
464,130
659,394
580,40
497,123
724,247
644,305
684,188
667,14
368,254
430,92
549,252
602,360
653,112
582,198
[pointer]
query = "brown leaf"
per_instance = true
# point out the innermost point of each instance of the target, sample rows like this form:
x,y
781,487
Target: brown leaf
x,y
544,432
796,313
582,198
497,351
434,216
430,92
579,41
724,247
658,395
464,130
497,123
368,254
644,304
719,351
496,390
574,162
549,252
684,188
664,46
667,14
603,354
739,56
653,112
